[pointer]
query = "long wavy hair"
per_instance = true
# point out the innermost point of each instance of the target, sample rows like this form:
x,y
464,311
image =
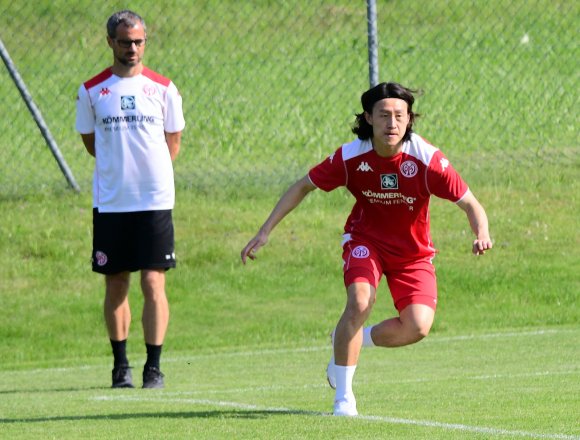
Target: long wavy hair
x,y
384,90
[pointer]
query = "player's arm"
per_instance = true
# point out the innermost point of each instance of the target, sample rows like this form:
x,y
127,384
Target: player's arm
x,y
478,222
173,142
89,141
290,200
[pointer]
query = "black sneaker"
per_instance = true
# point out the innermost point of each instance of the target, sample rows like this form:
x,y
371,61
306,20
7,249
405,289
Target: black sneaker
x,y
152,378
122,377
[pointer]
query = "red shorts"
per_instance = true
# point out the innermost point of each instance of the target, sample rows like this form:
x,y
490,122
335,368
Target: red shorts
x,y
412,282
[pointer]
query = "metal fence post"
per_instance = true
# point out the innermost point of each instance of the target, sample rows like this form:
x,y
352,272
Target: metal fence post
x,y
37,116
373,43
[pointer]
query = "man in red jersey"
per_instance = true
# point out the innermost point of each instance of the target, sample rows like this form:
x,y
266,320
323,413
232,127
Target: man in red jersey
x,y
130,119
392,173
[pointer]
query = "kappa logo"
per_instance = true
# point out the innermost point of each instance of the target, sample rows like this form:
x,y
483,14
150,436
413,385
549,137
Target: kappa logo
x,y
389,181
409,168
104,91
127,103
360,252
364,166
444,164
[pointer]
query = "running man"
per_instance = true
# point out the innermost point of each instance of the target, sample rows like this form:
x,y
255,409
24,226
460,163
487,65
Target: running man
x,y
392,173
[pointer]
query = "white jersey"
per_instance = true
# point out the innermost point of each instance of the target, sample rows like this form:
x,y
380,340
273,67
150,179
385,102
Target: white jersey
x,y
129,117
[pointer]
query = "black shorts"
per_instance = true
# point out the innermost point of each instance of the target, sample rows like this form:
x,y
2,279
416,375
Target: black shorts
x,y
131,241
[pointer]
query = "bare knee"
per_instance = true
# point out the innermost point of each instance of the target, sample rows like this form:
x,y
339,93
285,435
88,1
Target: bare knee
x,y
153,284
361,298
117,286
416,321
418,330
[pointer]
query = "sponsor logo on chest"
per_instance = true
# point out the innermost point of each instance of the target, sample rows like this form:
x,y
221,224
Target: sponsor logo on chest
x,y
389,181
128,103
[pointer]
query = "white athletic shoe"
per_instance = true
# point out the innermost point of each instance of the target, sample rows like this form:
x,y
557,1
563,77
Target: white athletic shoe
x,y
345,407
330,371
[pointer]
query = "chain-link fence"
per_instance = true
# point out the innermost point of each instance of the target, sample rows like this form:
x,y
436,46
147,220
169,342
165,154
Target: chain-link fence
x,y
271,87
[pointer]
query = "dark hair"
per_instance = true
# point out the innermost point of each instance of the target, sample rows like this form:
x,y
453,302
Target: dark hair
x,y
384,90
126,17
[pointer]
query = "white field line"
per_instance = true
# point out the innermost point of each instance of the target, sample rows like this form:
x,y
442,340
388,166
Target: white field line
x,y
388,420
272,351
328,347
323,383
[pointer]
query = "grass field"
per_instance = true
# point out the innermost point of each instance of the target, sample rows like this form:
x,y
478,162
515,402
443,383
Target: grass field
x,y
509,384
247,346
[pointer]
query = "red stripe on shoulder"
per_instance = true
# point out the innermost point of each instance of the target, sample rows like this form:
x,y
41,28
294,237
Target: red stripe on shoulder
x,y
154,76
103,76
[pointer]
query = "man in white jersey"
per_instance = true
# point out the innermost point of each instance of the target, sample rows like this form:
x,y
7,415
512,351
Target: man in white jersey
x,y
130,119
392,173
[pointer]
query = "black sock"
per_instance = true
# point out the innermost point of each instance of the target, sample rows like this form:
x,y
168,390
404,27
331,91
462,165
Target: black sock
x,y
119,352
153,355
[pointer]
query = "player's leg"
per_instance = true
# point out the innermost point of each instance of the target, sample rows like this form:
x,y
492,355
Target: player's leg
x,y
155,257
361,276
347,344
348,332
155,320
414,292
118,320
109,258
116,306
155,317
412,325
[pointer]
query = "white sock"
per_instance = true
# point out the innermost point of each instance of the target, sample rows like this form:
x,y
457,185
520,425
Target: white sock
x,y
367,339
344,376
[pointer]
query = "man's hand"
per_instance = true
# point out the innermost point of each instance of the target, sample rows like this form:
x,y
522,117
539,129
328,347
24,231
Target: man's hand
x,y
253,245
480,246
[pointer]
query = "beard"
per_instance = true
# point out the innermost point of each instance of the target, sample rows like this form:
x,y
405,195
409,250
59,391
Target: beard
x,y
129,63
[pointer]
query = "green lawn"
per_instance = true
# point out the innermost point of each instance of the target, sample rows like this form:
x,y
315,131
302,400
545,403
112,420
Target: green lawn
x,y
247,345
507,384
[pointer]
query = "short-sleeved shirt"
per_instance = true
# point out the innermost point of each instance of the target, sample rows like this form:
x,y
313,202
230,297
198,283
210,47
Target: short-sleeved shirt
x,y
129,117
392,194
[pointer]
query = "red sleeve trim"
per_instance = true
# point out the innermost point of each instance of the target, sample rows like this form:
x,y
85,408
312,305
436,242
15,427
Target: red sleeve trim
x,y
154,76
96,80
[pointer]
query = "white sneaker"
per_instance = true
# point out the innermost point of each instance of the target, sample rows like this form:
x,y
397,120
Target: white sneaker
x,y
345,407
331,373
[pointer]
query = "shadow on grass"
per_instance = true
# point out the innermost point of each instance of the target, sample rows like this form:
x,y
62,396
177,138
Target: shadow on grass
x,y
50,390
217,414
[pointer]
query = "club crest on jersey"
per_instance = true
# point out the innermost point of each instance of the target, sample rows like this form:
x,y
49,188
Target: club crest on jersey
x,y
149,90
360,252
127,103
409,168
101,258
389,181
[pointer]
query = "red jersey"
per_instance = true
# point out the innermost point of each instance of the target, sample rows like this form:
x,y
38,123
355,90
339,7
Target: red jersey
x,y
392,194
